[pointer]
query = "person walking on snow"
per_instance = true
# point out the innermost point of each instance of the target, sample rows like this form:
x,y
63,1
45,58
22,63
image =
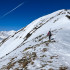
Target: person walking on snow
x,y
49,35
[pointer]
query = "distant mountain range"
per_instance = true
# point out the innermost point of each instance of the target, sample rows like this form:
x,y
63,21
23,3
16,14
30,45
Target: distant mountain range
x,y
5,34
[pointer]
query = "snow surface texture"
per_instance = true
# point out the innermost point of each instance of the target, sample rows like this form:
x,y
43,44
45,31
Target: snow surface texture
x,y
29,48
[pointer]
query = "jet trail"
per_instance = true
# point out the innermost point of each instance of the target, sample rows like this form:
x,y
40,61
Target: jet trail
x,y
12,10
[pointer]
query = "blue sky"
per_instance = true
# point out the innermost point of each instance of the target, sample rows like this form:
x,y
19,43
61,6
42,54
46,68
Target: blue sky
x,y
16,14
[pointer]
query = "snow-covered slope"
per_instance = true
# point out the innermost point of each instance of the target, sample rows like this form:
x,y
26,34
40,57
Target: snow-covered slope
x,y
29,48
5,34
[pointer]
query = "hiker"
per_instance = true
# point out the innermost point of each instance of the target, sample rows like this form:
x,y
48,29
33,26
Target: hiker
x,y
49,34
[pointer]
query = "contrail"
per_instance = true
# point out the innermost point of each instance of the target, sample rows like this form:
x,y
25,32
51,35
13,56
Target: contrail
x,y
12,10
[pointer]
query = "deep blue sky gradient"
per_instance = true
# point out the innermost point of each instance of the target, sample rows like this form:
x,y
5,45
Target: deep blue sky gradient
x,y
29,11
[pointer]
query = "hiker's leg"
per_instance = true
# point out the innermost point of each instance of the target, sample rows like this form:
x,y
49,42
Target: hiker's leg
x,y
49,37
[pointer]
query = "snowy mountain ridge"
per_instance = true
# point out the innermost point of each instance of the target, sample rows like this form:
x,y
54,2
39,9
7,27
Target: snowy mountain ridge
x,y
29,48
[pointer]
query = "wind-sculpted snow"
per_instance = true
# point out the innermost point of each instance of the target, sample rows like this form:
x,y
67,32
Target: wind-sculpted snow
x,y
30,49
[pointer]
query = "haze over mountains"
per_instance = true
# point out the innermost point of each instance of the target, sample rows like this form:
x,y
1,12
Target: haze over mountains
x,y
5,34
29,48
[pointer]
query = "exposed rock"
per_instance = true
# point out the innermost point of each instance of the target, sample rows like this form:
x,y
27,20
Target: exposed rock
x,y
34,54
44,49
63,68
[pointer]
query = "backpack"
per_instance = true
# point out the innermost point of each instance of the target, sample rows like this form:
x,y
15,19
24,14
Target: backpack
x,y
49,33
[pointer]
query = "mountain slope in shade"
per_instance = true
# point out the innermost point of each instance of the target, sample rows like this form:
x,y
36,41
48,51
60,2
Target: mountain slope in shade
x,y
29,48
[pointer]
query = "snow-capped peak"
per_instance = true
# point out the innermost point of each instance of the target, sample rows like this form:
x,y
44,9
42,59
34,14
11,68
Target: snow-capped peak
x,y
40,26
